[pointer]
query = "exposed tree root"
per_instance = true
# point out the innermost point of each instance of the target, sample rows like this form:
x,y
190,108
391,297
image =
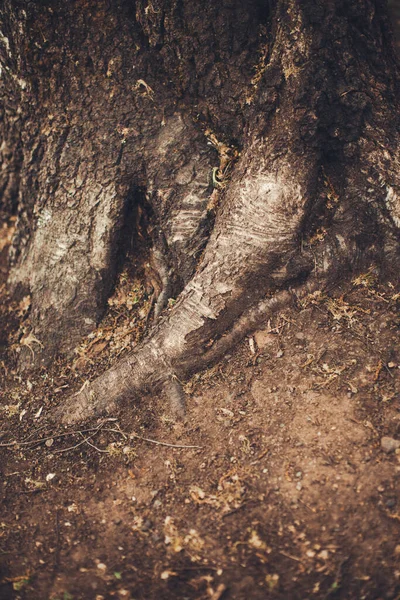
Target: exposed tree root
x,y
147,368
253,248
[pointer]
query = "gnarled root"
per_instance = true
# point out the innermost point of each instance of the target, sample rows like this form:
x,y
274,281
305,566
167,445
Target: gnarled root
x,y
147,368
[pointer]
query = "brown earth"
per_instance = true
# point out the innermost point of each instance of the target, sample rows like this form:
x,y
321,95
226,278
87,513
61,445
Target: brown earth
x,y
287,493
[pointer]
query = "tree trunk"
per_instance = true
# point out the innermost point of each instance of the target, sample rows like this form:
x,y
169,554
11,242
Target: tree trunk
x,y
263,137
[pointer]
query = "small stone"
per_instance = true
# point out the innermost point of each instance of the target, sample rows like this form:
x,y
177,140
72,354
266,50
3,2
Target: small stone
x,y
381,489
397,549
391,503
389,444
272,580
101,566
264,338
323,555
142,313
146,525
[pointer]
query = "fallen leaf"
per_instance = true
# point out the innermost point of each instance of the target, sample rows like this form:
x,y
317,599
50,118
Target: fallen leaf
x,y
98,347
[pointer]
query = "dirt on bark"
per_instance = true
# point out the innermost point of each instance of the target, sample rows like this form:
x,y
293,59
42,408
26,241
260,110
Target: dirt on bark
x,y
276,486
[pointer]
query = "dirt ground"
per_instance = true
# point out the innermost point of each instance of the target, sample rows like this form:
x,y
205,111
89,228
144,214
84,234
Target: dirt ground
x,y
276,486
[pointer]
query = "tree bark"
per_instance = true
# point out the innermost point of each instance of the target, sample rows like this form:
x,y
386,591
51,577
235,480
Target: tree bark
x,y
289,109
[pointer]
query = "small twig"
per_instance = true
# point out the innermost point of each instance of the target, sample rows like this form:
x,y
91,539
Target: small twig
x,y
135,435
119,430
388,370
85,440
93,446
291,557
95,430
306,505
36,431
71,447
139,437
260,456
197,568
52,437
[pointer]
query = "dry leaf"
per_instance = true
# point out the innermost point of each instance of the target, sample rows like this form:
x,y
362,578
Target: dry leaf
x,y
98,347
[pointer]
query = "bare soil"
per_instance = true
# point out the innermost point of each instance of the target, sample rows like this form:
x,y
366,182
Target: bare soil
x,y
286,493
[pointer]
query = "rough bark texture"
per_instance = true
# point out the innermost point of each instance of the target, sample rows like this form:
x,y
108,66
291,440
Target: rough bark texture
x,y
289,107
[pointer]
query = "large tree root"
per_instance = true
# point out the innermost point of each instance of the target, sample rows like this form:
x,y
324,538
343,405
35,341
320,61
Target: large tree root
x,y
226,300
253,248
147,368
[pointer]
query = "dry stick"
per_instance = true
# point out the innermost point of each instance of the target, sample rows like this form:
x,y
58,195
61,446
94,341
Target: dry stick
x,y
119,430
255,316
95,429
93,446
290,556
36,431
139,437
85,440
51,437
39,441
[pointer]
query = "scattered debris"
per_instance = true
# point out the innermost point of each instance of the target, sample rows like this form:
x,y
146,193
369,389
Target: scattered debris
x,y
147,89
258,430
